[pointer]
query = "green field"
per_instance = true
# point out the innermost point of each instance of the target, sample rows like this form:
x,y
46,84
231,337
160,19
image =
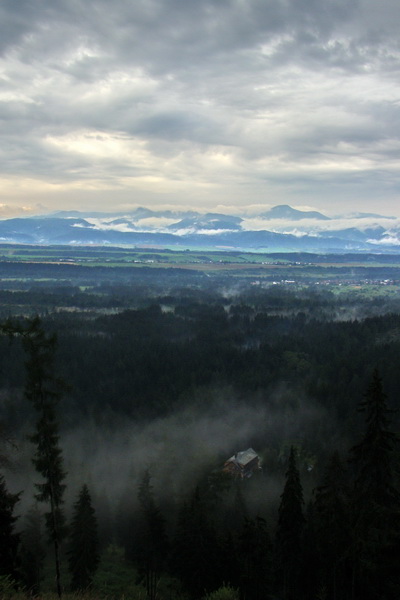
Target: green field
x,y
112,256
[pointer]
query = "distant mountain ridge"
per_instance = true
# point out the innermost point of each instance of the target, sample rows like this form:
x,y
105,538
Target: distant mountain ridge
x,y
209,221
281,229
284,211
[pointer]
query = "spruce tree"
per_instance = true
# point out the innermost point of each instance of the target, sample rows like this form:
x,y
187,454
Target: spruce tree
x,y
289,532
375,501
44,390
9,539
83,552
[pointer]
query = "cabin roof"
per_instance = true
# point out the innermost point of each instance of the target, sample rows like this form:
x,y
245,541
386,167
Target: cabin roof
x,y
244,457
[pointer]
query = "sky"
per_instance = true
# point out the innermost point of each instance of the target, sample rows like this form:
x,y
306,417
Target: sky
x,y
229,106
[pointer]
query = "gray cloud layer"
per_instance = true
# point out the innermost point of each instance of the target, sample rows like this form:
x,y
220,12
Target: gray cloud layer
x,y
211,103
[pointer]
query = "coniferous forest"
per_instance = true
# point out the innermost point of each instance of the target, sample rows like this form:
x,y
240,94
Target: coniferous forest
x,y
121,403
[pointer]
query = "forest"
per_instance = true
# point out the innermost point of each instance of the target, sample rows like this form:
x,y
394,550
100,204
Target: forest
x,y
122,398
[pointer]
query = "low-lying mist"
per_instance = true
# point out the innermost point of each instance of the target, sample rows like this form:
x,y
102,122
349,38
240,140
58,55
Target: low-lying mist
x,y
184,448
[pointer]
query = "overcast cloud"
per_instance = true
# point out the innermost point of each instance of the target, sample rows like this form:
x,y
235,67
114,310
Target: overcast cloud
x,y
223,105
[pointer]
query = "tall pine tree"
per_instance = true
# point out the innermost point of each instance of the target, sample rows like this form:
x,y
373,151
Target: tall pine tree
x,y
375,502
43,389
83,552
289,532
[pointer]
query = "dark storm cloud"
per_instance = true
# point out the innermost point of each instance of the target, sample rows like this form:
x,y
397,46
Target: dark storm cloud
x,y
164,35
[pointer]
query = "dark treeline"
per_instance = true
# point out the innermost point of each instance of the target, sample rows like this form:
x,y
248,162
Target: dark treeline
x,y
161,395
153,358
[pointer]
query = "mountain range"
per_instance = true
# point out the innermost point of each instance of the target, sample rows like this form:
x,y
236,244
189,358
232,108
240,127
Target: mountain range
x,y
282,228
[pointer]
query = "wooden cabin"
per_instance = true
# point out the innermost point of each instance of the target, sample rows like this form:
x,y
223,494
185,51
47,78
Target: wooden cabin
x,y
242,464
